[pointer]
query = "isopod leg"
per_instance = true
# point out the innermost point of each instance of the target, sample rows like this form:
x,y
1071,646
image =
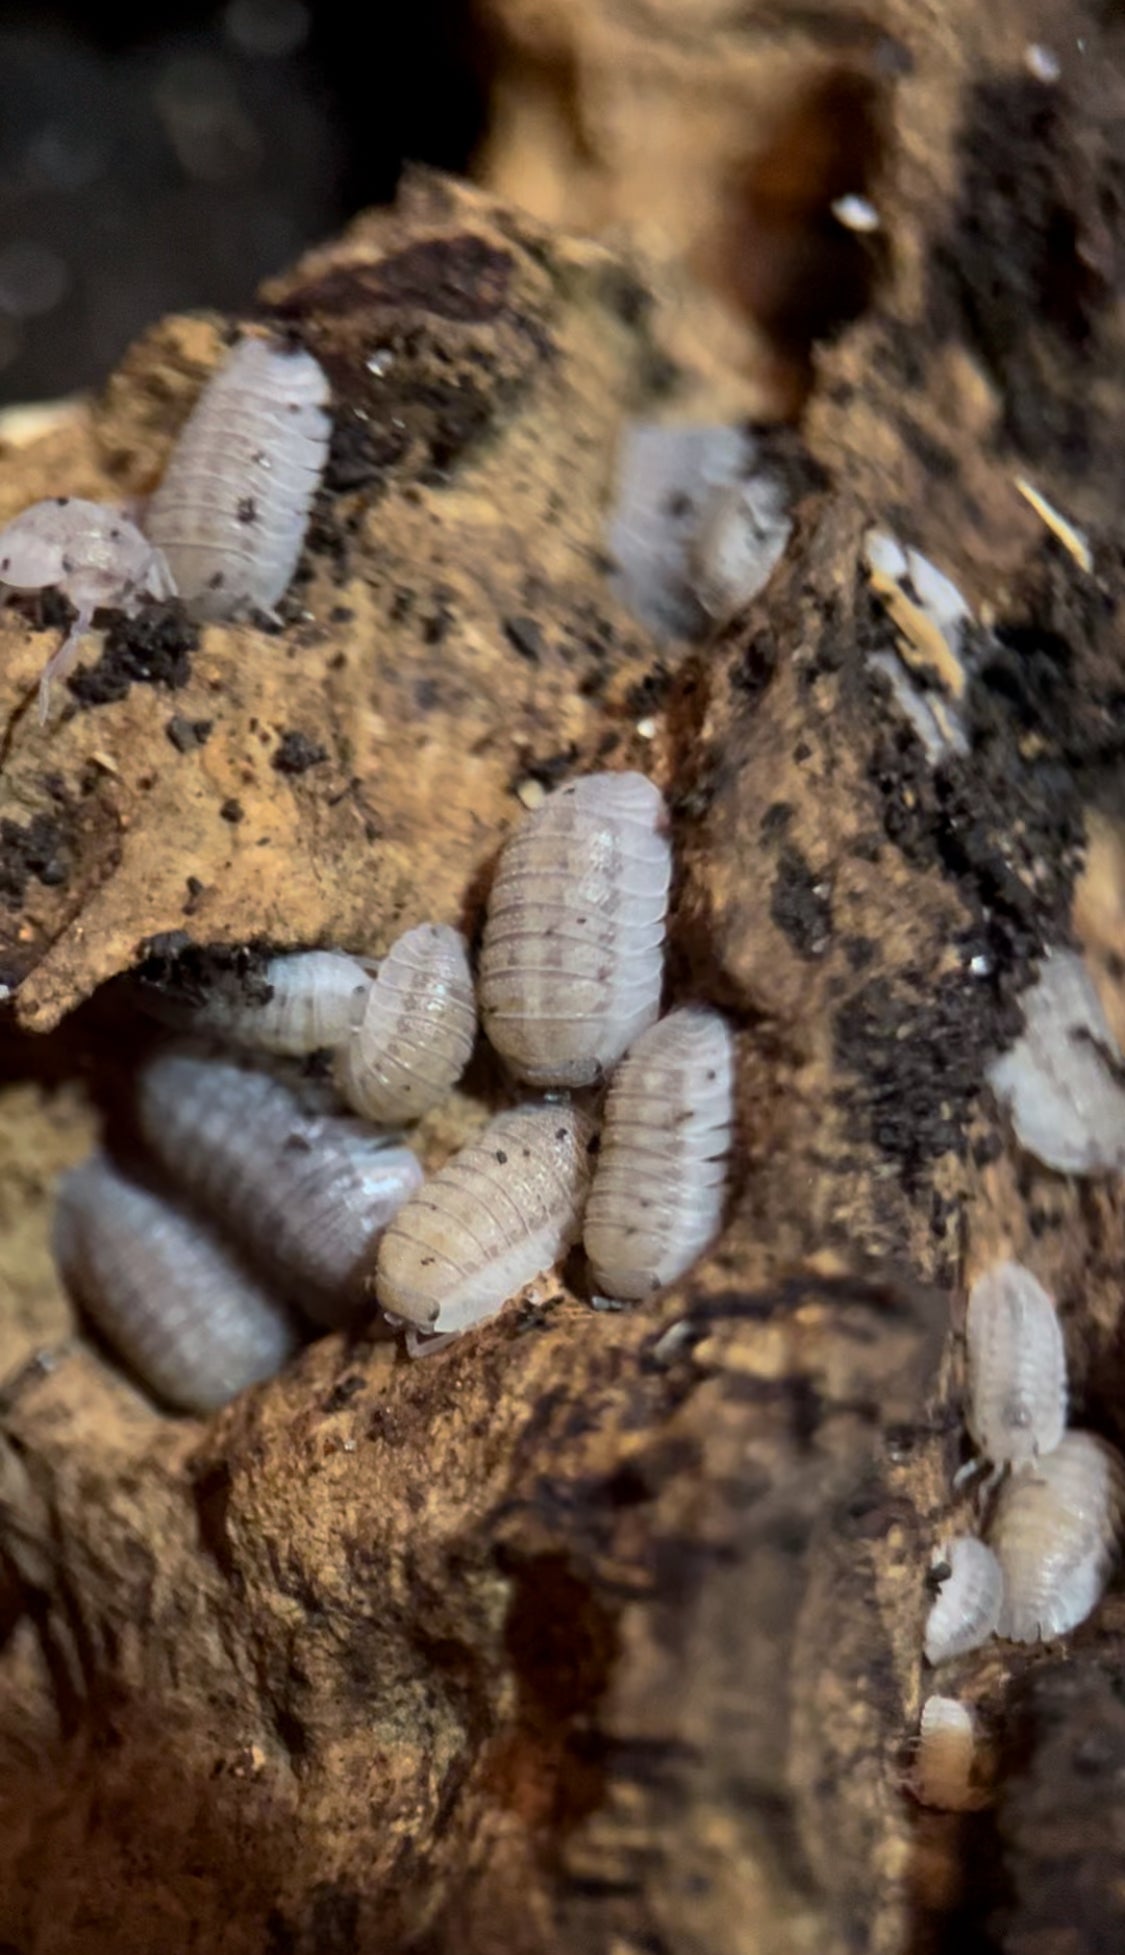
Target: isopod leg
x,y
60,662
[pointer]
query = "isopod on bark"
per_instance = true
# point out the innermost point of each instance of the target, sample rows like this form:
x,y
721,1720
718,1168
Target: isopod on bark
x,y
415,1036
967,1609
572,960
943,1764
1017,1366
1056,1532
304,1002
502,1211
659,1184
171,1300
232,509
305,1194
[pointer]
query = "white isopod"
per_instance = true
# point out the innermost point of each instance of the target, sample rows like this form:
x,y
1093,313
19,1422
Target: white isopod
x,y
415,1036
1056,1532
502,1211
167,1296
305,1002
572,960
1017,1367
943,1765
1061,1082
231,512
95,556
967,1609
661,1173
305,1194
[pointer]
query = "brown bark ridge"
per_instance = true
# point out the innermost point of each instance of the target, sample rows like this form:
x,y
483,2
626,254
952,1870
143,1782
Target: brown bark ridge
x,y
597,1630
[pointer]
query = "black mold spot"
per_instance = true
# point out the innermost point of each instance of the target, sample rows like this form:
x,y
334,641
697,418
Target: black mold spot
x,y
526,637
33,851
152,649
296,753
186,735
800,904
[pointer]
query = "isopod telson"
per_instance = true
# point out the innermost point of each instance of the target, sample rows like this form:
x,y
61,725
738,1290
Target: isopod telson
x,y
1056,1532
178,1308
657,1195
967,1609
415,1036
503,1210
943,1765
1017,1366
305,1002
305,1194
232,509
572,958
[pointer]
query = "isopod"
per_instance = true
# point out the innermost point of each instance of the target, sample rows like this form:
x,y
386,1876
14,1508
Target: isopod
x,y
572,959
304,1194
187,1319
1062,1080
967,1609
502,1211
657,1195
1056,1532
305,1002
95,556
1017,1367
943,1765
416,1033
232,509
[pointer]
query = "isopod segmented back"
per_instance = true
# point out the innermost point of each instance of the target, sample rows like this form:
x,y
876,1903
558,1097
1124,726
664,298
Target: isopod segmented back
x,y
1056,1533
1017,1366
305,1002
943,1764
572,959
968,1605
176,1305
416,1033
661,1174
232,509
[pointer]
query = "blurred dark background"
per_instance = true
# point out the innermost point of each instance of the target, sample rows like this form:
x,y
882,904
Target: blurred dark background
x,y
167,157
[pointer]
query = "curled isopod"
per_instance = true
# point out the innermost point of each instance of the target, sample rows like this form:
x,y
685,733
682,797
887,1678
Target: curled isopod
x,y
305,1194
305,1002
503,1210
415,1036
967,1609
172,1301
1056,1532
943,1764
231,512
1017,1366
572,960
657,1195
93,554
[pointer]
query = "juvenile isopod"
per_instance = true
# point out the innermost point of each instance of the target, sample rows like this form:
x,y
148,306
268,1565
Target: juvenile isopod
x,y
232,509
1056,1532
188,1320
967,1608
1017,1367
415,1036
657,1195
305,1002
95,556
502,1211
572,959
943,1764
1062,1080
305,1194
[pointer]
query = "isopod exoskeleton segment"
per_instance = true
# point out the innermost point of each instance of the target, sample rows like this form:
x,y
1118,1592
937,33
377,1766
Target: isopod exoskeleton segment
x,y
572,960
232,509
1056,1532
1061,1082
187,1318
502,1211
967,1608
305,1194
415,1036
657,1195
305,1002
1017,1366
943,1764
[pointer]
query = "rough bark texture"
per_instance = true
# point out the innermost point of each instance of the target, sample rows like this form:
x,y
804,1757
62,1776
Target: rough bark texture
x,y
596,1631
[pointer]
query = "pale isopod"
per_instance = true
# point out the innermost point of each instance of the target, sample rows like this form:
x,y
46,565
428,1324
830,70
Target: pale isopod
x,y
943,1765
305,1194
305,1002
231,512
177,1307
1056,1532
660,1179
416,1033
967,1609
1017,1366
502,1211
1061,1081
572,960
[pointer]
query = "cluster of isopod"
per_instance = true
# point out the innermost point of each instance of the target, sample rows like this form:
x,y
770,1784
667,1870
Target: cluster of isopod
x,y
1056,1523
226,525
283,1201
